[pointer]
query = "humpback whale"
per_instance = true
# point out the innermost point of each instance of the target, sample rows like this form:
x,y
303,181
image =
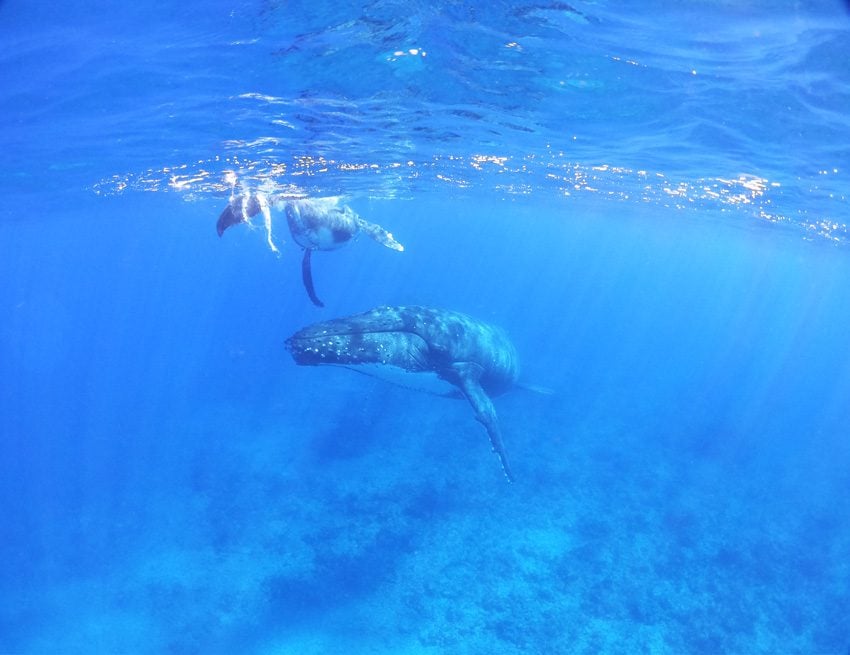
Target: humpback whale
x,y
315,224
451,353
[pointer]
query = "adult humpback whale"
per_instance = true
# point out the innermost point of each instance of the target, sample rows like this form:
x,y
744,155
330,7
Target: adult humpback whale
x,y
423,347
315,224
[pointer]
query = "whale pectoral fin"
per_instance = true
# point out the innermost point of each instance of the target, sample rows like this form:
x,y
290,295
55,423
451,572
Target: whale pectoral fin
x,y
307,277
467,379
379,234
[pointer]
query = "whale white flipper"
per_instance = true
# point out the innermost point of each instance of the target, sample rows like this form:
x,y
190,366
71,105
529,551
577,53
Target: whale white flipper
x,y
379,234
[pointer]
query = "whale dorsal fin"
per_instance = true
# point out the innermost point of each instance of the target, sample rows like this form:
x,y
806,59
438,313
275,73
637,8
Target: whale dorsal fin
x,y
468,380
379,234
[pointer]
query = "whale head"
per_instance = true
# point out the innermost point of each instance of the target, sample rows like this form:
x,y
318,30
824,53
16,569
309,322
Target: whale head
x,y
394,355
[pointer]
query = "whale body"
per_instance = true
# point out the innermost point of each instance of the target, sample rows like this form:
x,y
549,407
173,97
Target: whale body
x,y
423,347
314,223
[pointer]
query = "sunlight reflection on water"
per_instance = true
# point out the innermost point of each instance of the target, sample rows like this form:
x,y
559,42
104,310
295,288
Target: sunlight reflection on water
x,y
533,174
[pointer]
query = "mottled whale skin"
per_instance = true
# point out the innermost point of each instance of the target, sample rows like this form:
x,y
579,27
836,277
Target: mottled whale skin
x,y
314,223
475,358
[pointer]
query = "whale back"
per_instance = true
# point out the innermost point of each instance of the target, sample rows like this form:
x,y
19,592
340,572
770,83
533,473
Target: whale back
x,y
455,338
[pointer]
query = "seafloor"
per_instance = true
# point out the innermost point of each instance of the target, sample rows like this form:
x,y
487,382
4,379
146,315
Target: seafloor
x,y
605,543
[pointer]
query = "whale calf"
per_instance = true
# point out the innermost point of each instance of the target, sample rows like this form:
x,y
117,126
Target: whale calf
x,y
314,223
422,347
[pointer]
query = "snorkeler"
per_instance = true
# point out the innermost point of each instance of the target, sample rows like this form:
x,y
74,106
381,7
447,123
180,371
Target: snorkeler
x,y
315,224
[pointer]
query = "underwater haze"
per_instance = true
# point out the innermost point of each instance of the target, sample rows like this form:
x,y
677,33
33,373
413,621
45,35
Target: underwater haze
x,y
650,199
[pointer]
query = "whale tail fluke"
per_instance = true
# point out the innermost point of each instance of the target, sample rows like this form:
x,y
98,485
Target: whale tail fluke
x,y
536,388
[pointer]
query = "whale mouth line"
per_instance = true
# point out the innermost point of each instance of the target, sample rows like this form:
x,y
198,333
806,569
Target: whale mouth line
x,y
349,332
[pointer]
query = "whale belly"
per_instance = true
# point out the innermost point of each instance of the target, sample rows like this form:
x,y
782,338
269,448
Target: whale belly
x,y
427,381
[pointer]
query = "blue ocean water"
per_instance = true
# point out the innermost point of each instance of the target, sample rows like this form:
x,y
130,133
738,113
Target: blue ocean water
x,y
651,199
